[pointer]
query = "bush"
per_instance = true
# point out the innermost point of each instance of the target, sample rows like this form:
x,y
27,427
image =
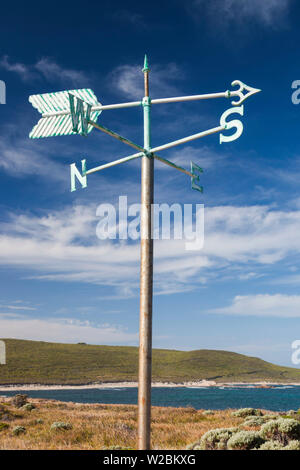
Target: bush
x,y
19,430
268,417
28,407
3,426
271,445
208,412
254,421
117,448
292,445
243,412
215,439
258,420
281,429
19,400
5,413
60,425
39,421
245,440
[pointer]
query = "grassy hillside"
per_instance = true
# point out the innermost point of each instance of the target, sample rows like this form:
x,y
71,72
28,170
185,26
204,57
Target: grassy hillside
x,y
56,363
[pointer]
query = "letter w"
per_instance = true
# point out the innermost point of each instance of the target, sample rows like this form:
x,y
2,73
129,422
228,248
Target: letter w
x,y
79,113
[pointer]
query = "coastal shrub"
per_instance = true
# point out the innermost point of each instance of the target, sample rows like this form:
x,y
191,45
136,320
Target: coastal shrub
x,y
276,445
4,412
245,440
117,448
19,430
3,426
28,407
194,446
268,417
258,420
243,412
254,421
61,426
208,412
215,439
271,445
19,400
39,421
281,429
292,445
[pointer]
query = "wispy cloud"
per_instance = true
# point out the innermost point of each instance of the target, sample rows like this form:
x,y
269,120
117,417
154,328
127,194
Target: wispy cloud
x,y
24,71
17,307
270,13
130,18
47,69
64,330
263,305
21,158
62,246
203,156
53,72
128,80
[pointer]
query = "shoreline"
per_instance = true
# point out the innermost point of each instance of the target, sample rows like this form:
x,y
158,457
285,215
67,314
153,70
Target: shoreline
x,y
112,385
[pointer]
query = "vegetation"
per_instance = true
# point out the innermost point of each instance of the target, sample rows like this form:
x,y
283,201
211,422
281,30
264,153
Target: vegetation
x,y
282,430
59,425
244,412
245,440
56,363
215,439
97,426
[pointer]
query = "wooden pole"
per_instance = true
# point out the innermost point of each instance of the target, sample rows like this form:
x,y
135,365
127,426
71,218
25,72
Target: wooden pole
x,y
146,282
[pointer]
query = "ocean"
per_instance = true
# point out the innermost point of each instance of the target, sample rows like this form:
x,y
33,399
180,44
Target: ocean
x,y
279,398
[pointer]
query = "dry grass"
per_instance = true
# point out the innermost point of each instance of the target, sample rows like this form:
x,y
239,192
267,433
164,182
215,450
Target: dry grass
x,y
95,426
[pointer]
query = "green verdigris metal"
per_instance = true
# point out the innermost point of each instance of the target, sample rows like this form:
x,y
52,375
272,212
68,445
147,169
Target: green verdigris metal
x,y
196,177
57,118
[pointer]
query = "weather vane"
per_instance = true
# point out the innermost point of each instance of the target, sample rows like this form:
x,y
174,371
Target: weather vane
x,y
76,112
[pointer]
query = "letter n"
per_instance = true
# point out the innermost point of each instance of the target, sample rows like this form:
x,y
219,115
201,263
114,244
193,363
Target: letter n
x,y
75,173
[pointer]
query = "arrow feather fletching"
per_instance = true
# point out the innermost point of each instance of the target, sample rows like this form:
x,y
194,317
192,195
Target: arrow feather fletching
x,y
49,126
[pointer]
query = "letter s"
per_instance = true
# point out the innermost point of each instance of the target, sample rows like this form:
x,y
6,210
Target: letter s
x,y
235,123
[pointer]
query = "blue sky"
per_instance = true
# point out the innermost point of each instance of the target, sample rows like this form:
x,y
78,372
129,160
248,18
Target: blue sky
x,y
59,282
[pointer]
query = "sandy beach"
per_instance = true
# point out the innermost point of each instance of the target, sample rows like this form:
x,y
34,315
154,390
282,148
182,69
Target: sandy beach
x,y
111,385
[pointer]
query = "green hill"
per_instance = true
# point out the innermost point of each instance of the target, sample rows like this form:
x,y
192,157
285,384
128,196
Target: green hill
x,y
56,363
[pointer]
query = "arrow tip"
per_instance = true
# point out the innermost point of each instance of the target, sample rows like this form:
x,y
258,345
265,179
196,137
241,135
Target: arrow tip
x,y
146,66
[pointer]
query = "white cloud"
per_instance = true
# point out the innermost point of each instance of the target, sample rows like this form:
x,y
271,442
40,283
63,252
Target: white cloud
x,y
67,331
45,68
263,305
20,69
17,307
53,72
131,18
255,233
128,80
267,12
20,158
62,246
203,156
